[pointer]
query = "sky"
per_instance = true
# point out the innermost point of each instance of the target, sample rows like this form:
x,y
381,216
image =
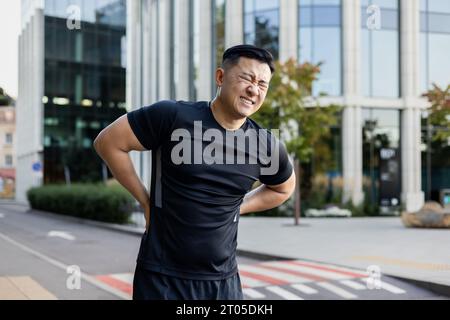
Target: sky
x,y
9,33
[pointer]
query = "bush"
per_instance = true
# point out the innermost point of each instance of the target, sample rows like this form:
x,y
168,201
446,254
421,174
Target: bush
x,y
89,201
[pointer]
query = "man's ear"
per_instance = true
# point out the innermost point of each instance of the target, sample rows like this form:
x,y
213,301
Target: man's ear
x,y
220,72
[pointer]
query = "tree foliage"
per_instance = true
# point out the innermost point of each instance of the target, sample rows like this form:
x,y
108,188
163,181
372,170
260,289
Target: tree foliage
x,y
439,115
290,108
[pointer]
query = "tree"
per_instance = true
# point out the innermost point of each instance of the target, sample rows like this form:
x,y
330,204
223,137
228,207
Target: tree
x,y
439,116
5,100
303,122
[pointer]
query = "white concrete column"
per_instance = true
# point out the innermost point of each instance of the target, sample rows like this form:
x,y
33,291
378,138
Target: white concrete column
x,y
351,118
412,194
164,49
182,52
234,23
288,29
205,72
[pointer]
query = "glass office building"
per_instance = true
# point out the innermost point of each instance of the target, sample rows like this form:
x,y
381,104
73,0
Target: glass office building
x,y
377,73
72,70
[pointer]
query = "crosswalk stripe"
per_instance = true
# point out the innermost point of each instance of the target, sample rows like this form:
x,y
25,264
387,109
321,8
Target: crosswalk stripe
x,y
391,288
251,282
125,277
352,284
386,286
328,268
252,293
262,277
336,290
286,277
117,284
284,293
302,288
293,272
325,275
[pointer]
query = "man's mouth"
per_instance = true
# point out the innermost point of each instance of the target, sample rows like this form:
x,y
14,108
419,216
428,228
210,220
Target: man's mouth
x,y
247,101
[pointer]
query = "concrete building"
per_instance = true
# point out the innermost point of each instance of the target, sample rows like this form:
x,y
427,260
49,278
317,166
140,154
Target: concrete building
x,y
380,56
7,151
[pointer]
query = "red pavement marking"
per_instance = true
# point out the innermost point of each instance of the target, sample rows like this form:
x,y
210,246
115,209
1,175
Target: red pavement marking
x,y
117,284
348,273
295,273
264,278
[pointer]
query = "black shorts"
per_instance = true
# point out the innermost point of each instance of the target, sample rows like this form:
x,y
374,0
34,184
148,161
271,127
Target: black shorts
x,y
149,285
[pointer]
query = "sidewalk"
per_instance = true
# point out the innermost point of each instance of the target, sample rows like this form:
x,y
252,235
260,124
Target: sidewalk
x,y
420,255
417,254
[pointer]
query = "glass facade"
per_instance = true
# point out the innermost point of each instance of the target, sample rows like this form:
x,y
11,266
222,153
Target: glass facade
x,y
435,68
218,36
84,88
262,25
381,129
434,43
321,176
380,50
320,40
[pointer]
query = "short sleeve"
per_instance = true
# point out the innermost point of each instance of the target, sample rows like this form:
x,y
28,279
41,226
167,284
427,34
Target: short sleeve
x,y
152,124
280,167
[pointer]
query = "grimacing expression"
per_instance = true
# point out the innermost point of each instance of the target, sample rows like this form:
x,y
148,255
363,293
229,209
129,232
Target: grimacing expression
x,y
245,86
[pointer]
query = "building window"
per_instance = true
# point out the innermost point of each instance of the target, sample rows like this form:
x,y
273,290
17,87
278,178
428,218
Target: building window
x,y
261,24
194,48
8,160
380,51
218,35
9,138
320,40
434,43
381,130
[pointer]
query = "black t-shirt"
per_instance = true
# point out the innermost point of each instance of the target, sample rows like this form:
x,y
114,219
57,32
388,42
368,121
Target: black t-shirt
x,y
198,184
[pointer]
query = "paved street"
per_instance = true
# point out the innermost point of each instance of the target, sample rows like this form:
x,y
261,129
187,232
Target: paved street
x,y
36,250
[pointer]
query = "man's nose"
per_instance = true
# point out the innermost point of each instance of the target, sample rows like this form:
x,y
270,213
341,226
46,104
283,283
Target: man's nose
x,y
253,89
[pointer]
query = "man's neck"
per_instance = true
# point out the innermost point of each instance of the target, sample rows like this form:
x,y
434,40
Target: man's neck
x,y
226,120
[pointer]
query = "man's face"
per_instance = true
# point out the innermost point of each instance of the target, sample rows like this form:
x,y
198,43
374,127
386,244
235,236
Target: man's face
x,y
244,86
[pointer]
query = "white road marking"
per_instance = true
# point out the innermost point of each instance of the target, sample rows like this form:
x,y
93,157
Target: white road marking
x,y
308,270
284,293
274,274
386,286
2,215
336,290
250,282
61,234
334,267
63,266
124,277
391,288
303,288
252,293
353,284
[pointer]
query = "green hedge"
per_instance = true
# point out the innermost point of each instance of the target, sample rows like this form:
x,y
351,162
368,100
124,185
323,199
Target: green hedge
x,y
90,201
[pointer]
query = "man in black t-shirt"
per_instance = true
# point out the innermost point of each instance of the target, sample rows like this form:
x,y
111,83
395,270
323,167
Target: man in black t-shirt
x,y
206,156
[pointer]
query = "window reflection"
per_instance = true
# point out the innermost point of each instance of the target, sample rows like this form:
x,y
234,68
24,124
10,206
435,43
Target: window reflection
x,y
434,43
381,129
261,24
381,51
84,75
320,41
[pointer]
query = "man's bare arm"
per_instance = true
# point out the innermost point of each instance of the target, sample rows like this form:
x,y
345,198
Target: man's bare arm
x,y
113,145
267,197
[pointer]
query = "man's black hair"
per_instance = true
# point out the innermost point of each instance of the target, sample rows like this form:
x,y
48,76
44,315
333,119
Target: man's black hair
x,y
231,55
